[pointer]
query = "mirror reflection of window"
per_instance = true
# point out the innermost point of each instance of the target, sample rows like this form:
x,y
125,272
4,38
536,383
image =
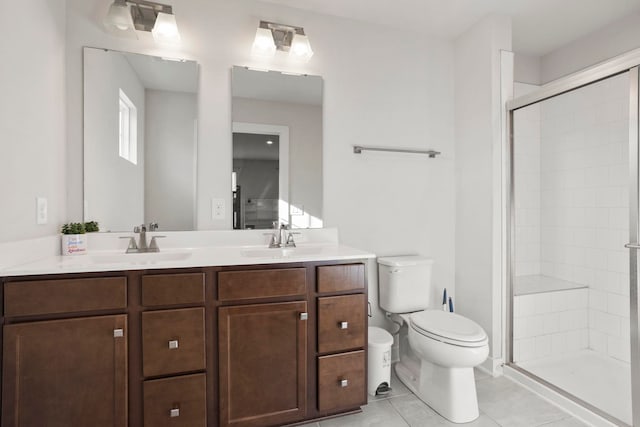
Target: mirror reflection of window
x,y
140,139
128,141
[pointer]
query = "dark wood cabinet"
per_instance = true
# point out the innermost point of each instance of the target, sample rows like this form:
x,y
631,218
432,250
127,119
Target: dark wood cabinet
x,y
176,402
242,346
263,364
341,381
173,341
70,372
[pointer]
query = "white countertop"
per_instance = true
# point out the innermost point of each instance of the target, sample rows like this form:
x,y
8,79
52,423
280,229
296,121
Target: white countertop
x,y
214,249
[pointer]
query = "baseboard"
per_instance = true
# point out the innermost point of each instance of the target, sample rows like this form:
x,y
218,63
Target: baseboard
x,y
492,366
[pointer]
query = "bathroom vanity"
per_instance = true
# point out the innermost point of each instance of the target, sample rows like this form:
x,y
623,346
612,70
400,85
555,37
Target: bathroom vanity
x,y
267,342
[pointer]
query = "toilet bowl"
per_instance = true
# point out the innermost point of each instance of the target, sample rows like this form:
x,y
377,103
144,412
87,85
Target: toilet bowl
x,y
438,366
438,349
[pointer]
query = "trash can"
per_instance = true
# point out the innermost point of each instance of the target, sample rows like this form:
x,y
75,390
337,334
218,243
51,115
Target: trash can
x,y
379,378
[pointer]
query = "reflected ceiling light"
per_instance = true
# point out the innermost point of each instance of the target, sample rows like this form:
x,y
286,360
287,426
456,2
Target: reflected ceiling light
x,y
127,15
271,37
269,142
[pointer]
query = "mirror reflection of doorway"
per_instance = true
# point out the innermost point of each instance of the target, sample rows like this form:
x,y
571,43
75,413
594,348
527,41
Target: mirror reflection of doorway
x,y
256,168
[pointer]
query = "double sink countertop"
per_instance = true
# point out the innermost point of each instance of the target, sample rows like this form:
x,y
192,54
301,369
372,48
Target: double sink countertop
x,y
106,252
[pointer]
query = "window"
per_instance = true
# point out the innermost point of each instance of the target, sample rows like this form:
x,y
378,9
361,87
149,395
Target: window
x,y
128,138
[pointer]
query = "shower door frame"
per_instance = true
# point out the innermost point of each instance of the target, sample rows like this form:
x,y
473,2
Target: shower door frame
x,y
626,63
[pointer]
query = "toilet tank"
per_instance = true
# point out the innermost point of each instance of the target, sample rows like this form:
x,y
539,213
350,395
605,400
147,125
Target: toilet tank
x,y
404,283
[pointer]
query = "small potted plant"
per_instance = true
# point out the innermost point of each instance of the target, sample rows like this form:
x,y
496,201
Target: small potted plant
x,y
74,241
91,227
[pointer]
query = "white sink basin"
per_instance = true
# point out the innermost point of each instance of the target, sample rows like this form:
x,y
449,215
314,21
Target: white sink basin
x,y
140,258
280,252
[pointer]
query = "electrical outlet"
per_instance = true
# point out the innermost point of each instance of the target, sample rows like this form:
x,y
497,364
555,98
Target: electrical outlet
x,y
41,210
217,209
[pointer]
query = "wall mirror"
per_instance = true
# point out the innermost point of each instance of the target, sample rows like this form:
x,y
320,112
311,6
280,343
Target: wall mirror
x,y
140,140
277,149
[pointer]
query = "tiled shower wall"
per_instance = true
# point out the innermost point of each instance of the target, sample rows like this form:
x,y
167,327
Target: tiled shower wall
x,y
583,208
550,324
584,203
527,178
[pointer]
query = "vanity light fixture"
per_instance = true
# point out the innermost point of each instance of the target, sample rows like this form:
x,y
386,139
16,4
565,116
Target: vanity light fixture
x,y
127,15
271,37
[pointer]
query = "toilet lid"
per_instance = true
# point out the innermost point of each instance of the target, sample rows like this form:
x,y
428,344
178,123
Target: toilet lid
x,y
449,327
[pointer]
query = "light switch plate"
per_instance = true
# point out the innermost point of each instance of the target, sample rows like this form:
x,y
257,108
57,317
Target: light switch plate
x,y
42,214
217,209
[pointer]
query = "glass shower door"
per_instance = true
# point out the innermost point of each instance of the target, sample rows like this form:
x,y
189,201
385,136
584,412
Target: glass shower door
x,y
571,306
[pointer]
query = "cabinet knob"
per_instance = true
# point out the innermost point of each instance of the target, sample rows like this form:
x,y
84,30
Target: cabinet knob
x,y
118,333
175,412
344,383
304,316
344,325
173,344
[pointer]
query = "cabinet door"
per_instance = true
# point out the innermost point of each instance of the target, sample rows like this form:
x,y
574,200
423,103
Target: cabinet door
x,y
65,373
263,364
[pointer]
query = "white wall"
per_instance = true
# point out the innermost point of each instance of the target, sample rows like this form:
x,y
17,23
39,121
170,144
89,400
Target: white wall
x,y
305,145
380,93
478,137
527,69
114,185
614,39
170,159
32,118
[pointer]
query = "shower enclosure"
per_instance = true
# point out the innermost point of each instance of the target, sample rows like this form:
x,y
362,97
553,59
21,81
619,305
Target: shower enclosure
x,y
573,318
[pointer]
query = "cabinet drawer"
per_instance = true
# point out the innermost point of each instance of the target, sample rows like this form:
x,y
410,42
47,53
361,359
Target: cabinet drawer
x,y
172,341
335,278
341,381
254,284
64,296
341,323
167,289
176,402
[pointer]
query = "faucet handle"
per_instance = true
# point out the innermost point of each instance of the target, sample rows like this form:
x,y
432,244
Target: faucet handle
x,y
273,241
133,247
153,226
290,242
153,246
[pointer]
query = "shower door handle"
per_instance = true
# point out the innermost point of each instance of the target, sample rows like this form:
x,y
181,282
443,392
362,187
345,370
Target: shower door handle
x,y
632,246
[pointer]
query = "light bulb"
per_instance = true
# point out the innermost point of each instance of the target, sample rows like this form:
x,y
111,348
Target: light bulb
x,y
300,47
119,17
263,45
166,29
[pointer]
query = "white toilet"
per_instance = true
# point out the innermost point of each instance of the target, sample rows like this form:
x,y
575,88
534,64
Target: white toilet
x,y
438,349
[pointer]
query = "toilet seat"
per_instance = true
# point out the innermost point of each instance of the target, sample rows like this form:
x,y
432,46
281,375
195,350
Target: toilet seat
x,y
448,328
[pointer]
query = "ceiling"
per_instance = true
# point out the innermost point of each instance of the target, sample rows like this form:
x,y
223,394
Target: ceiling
x,y
539,26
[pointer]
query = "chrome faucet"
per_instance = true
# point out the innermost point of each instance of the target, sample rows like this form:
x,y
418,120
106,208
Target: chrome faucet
x,y
142,246
281,236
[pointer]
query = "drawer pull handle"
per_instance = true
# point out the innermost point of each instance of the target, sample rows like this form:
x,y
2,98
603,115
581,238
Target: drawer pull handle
x,y
344,325
175,412
304,316
118,333
173,344
344,383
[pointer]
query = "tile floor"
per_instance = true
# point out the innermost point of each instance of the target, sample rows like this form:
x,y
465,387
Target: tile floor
x,y
502,403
